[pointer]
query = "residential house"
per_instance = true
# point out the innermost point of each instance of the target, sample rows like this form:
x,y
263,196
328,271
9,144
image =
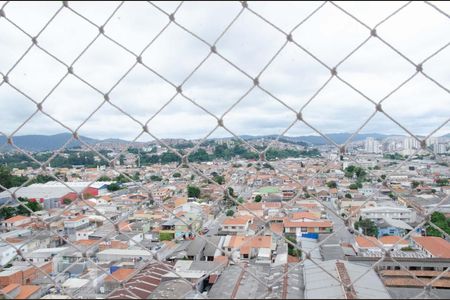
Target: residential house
x,y
433,246
16,222
377,214
236,225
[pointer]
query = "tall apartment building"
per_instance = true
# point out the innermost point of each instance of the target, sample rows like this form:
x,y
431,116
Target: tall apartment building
x,y
372,146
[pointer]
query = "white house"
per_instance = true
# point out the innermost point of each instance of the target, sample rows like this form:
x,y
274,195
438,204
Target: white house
x,y
377,214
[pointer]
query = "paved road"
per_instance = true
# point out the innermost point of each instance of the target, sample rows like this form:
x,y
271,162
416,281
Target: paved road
x,y
343,234
214,226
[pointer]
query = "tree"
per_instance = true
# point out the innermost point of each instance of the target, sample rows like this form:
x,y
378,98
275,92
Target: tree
x,y
31,205
368,227
353,186
442,182
293,251
155,178
122,159
258,198
231,191
176,175
7,212
240,200
104,178
113,187
438,219
348,196
332,184
193,191
122,179
8,180
67,201
230,213
219,179
415,184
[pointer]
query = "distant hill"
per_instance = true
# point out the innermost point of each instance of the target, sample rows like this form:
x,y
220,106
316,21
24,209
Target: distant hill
x,y
37,143
338,138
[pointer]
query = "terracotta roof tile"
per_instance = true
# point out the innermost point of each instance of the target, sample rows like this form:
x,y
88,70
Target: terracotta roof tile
x,y
120,274
435,245
367,242
392,239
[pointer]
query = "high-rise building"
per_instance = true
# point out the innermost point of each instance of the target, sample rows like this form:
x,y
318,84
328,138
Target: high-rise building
x,y
439,148
372,146
410,143
432,141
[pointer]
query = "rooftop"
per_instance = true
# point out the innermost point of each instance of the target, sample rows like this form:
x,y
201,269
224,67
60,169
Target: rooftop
x,y
437,246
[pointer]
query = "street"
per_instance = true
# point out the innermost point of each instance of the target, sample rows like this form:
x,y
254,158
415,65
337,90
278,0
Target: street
x,y
342,233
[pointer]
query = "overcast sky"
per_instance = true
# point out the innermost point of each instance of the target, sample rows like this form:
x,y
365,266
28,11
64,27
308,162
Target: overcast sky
x,y
417,31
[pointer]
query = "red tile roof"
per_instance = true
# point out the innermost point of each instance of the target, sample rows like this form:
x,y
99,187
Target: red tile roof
x,y
16,219
367,242
435,245
392,239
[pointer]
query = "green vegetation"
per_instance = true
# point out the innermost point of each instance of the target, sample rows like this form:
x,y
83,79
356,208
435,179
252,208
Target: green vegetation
x,y
355,186
258,198
348,196
332,184
368,227
293,251
67,201
156,178
442,182
90,159
7,212
113,187
438,219
352,170
176,175
415,184
166,236
8,180
193,191
24,209
395,156
122,178
230,213
407,249
273,154
104,178
219,179
360,174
